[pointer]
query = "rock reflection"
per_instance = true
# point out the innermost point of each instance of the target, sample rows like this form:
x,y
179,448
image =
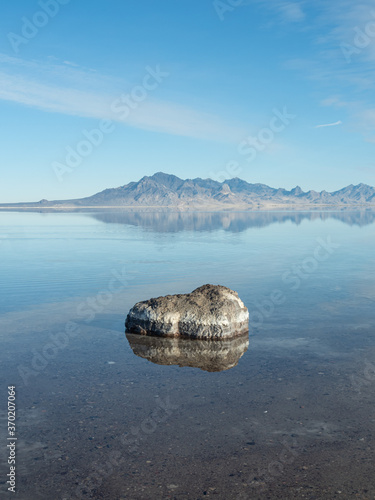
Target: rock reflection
x,y
207,355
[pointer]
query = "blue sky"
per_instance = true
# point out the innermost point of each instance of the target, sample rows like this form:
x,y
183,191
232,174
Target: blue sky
x,y
97,94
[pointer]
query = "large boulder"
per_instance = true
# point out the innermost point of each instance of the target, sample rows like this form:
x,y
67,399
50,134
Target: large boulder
x,y
209,312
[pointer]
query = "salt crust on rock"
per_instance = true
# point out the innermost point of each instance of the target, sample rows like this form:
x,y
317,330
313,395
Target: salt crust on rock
x,y
209,312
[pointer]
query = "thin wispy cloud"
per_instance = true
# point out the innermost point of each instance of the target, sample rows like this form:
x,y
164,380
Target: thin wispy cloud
x,y
288,12
66,73
334,101
342,56
67,89
292,11
343,34
329,124
349,27
361,115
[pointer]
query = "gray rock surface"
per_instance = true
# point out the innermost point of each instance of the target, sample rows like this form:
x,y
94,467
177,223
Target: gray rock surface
x,y
209,312
206,355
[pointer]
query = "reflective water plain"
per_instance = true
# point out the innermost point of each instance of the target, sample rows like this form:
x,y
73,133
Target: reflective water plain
x,y
287,413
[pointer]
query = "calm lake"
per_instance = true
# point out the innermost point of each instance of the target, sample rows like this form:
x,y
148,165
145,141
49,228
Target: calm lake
x,y
287,413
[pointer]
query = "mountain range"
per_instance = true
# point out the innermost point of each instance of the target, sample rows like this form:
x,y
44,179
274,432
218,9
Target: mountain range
x,y
165,190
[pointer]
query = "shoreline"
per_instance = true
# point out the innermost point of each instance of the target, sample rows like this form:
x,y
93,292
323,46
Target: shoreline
x,y
174,209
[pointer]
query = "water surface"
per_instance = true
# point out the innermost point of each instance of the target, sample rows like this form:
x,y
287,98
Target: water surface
x,y
103,416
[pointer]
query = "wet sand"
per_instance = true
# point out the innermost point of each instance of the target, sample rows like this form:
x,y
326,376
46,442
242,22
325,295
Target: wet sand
x,y
294,419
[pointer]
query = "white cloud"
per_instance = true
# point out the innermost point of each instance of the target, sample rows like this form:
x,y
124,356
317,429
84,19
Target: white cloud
x,y
329,124
334,101
350,23
290,12
67,89
70,63
348,80
63,74
343,45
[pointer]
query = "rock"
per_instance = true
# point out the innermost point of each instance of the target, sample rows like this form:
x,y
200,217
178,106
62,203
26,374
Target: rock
x,y
209,312
206,355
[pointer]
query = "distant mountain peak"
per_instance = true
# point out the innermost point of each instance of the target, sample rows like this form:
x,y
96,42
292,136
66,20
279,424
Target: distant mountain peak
x,y
168,190
297,191
162,176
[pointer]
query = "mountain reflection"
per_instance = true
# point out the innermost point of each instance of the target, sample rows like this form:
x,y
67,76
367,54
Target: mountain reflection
x,y
208,355
236,222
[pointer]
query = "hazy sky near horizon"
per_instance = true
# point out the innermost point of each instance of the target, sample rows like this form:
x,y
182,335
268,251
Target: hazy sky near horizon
x,y
98,94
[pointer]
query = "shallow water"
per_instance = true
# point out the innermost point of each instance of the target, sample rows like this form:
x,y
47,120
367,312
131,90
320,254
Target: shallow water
x,y
291,414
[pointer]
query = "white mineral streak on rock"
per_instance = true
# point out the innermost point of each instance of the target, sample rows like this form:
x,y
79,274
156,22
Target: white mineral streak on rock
x,y
209,312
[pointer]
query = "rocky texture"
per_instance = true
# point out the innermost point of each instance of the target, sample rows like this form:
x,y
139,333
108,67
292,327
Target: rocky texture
x,y
206,355
209,312
164,190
